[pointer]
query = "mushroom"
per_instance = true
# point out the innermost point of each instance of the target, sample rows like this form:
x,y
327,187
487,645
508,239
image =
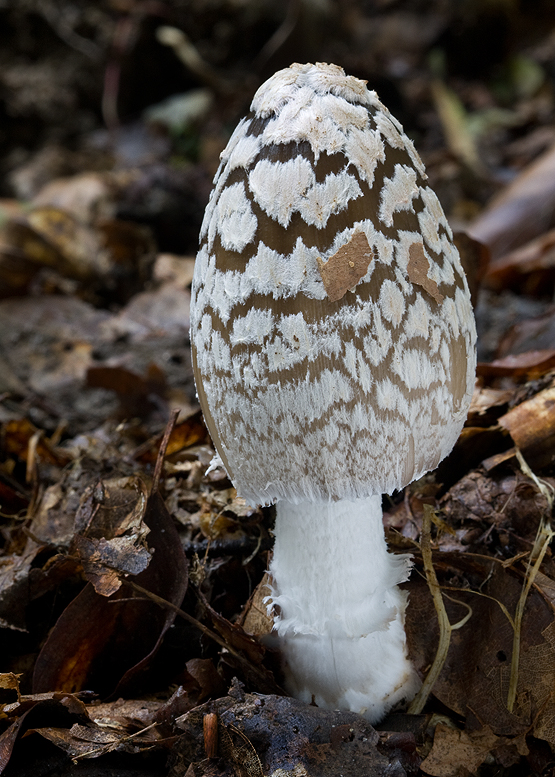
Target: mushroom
x,y
334,355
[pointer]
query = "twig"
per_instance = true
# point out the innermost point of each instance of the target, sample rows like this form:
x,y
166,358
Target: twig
x,y
205,630
185,50
109,746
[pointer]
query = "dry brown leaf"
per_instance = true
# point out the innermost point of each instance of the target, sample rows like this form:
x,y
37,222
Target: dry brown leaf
x,y
106,562
20,434
203,671
10,681
484,398
537,677
87,196
536,333
475,680
254,618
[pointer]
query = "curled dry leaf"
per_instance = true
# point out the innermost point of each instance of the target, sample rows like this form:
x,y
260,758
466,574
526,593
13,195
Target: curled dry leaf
x,y
254,618
20,435
112,508
205,675
28,709
106,562
486,398
185,434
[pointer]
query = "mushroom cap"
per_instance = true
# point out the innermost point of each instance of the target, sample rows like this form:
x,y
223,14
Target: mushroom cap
x,y
332,331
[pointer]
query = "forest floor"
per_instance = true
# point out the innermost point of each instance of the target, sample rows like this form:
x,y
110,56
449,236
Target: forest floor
x,y
131,582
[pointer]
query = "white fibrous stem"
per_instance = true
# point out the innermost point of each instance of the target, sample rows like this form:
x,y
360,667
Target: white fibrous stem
x,y
340,620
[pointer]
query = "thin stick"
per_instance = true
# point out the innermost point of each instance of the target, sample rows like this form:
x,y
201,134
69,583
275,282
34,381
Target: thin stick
x,y
207,632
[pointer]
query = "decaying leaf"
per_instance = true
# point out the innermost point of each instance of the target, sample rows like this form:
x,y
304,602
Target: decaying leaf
x,y
106,562
522,366
93,626
254,618
475,680
457,753
10,681
528,269
21,434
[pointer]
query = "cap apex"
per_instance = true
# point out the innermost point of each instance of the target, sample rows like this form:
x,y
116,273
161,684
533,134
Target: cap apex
x,y
319,78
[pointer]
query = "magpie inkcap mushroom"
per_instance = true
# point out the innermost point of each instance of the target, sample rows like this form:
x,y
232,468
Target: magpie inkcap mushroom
x,y
334,354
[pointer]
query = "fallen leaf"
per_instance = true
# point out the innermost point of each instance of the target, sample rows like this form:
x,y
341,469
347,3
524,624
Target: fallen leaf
x,y
458,753
529,269
103,643
254,618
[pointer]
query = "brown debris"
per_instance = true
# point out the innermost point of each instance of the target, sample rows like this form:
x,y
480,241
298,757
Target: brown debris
x,y
346,267
417,270
456,753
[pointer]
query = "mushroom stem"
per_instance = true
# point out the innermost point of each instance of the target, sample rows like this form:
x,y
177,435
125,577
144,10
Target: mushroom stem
x,y
341,615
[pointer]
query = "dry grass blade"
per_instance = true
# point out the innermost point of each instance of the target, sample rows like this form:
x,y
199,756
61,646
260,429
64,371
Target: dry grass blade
x,y
445,627
543,537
